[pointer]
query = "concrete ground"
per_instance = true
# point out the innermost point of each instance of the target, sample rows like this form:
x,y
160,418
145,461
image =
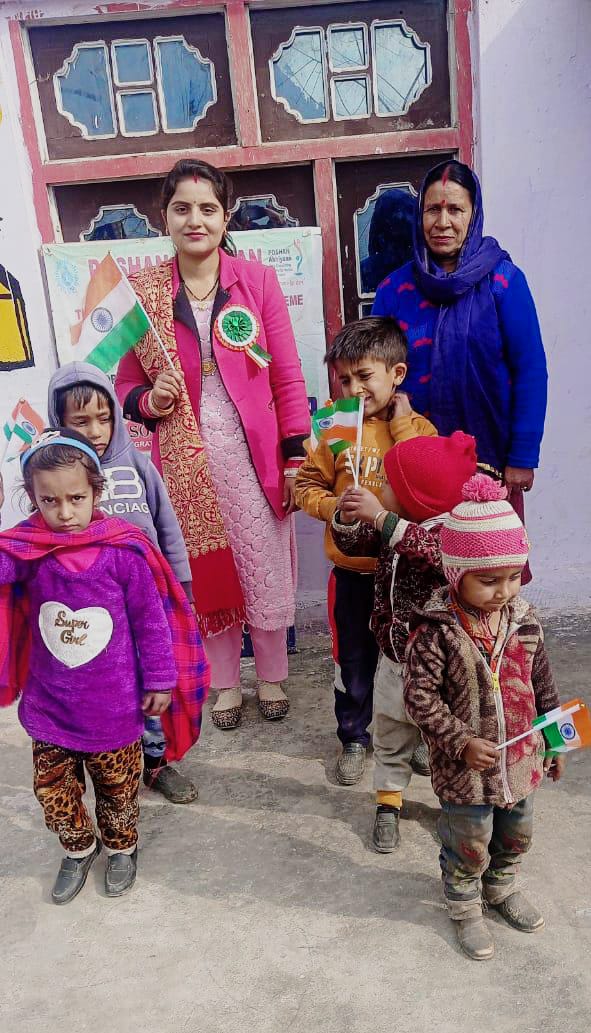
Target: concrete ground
x,y
260,909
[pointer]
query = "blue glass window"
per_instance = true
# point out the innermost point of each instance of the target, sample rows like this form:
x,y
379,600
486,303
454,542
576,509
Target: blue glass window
x,y
298,76
259,212
187,84
402,67
351,97
383,234
132,63
347,47
119,222
137,112
83,91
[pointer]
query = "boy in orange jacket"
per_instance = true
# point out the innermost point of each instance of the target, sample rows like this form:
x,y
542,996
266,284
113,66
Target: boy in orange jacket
x,y
368,358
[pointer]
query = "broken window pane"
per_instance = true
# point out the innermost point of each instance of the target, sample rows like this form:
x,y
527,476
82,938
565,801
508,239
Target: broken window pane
x,y
259,212
402,67
298,76
347,47
351,97
119,222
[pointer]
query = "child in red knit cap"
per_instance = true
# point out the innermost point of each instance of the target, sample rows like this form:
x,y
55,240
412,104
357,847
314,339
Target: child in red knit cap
x,y
477,675
425,478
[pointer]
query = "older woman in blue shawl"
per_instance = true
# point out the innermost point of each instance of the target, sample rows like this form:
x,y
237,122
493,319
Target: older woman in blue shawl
x,y
476,358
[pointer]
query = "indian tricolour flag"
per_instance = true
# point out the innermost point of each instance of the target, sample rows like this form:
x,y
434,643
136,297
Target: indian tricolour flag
x,y
114,320
567,727
337,424
20,429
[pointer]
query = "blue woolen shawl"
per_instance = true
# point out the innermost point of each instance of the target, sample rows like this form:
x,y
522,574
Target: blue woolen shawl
x,y
466,390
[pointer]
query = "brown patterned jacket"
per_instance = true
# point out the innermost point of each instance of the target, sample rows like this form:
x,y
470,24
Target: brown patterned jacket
x,y
450,693
408,571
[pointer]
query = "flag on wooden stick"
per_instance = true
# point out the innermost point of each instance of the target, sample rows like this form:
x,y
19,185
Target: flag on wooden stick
x,y
114,319
567,727
19,430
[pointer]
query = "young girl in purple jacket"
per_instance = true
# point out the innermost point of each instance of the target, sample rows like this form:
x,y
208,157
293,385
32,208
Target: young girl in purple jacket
x,y
100,656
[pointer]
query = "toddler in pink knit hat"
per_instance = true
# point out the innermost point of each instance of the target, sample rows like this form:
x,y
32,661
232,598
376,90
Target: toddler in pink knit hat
x,y
477,675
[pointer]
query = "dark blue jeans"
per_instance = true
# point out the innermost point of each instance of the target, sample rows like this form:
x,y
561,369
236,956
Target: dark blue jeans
x,y
355,652
482,843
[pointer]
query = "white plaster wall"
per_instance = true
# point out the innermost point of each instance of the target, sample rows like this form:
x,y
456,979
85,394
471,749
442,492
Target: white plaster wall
x,y
534,152
19,243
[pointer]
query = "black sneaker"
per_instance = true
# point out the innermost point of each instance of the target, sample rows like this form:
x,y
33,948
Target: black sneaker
x,y
351,764
72,876
168,781
386,831
419,761
120,874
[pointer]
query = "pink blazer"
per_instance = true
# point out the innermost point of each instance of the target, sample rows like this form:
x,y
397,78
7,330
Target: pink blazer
x,y
272,403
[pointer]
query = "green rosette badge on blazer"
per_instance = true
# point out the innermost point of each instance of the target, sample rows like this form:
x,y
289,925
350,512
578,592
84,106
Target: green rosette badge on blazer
x,y
237,328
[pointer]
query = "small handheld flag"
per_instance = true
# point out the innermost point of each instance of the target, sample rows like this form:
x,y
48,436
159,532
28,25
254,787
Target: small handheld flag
x,y
114,319
19,430
336,424
567,727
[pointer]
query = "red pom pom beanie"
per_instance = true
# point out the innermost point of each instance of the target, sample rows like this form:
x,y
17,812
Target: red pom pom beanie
x,y
483,532
427,474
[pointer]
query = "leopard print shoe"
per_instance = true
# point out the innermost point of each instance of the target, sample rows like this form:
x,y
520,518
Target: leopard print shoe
x,y
227,710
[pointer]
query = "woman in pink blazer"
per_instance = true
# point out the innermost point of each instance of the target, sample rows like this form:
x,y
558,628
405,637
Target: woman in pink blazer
x,y
229,421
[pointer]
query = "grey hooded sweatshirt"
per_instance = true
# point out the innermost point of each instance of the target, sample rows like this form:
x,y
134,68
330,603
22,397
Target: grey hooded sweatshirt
x,y
135,490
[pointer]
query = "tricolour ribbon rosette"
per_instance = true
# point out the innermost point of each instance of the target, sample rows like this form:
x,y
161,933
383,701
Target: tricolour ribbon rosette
x,y
237,328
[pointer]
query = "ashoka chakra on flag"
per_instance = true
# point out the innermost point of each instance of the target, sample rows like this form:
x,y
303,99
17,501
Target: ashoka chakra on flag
x,y
102,320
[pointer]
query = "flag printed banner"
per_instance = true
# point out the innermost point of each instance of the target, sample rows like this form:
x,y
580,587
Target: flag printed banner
x,y
113,320
567,727
336,424
19,430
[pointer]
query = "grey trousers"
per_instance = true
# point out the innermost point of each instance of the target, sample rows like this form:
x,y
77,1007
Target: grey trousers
x,y
395,737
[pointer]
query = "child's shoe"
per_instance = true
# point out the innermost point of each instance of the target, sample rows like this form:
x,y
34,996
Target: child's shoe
x,y
351,764
386,832
474,938
168,781
419,761
518,912
120,874
72,876
273,703
227,710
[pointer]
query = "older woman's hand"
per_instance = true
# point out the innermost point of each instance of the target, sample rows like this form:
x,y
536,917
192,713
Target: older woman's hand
x,y
167,389
517,479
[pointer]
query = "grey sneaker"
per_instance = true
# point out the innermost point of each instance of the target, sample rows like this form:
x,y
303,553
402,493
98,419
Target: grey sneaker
x,y
474,938
72,876
419,761
351,764
168,781
518,912
386,832
120,874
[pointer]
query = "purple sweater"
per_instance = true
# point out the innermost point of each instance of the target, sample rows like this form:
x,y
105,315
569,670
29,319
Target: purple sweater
x,y
100,639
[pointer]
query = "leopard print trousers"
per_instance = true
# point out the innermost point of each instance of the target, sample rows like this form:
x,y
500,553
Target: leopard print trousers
x,y
59,785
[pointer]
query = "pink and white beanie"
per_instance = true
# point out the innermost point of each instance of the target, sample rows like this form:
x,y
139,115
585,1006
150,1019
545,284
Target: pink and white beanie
x,y
483,532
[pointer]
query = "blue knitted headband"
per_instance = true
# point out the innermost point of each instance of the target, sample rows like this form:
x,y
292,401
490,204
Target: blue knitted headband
x,y
55,437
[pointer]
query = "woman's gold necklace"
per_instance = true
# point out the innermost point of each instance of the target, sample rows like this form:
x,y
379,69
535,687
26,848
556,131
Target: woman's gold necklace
x,y
203,302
